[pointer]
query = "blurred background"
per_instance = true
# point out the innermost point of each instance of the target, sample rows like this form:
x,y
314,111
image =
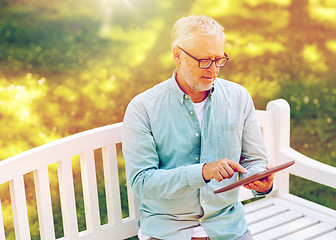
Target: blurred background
x,y
71,65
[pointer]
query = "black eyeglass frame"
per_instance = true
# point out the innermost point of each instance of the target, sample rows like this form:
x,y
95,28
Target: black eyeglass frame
x,y
211,61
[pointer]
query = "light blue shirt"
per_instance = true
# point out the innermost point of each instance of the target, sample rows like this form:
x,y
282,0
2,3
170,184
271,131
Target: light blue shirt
x,y
165,150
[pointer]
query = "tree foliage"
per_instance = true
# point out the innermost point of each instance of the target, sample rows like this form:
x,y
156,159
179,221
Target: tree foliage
x,y
69,66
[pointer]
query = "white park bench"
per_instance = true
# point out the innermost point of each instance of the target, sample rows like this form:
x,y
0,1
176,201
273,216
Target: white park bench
x,y
280,215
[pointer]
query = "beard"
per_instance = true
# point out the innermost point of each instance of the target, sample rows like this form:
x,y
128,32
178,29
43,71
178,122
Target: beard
x,y
193,82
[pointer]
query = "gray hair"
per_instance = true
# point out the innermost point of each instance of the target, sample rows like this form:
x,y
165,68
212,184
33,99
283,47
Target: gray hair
x,y
183,28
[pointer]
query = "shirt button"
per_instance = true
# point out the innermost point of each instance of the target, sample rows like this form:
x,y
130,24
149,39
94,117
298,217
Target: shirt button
x,y
203,201
186,97
200,220
197,158
191,113
196,134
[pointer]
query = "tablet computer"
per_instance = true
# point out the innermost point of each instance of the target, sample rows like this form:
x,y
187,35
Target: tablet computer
x,y
255,177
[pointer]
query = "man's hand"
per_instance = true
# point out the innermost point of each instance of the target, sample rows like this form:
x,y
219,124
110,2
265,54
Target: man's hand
x,y
221,169
261,185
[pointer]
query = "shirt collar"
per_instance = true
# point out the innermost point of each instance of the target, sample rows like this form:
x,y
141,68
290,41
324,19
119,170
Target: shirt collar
x,y
181,96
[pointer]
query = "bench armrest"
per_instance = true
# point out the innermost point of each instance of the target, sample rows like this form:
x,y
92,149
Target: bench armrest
x,y
309,168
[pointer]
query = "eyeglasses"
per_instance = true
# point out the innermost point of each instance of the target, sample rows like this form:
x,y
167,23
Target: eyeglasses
x,y
206,63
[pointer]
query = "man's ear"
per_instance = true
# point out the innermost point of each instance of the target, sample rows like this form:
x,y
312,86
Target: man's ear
x,y
177,55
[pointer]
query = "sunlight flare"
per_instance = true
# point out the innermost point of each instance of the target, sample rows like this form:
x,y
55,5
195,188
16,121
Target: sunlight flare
x,y
107,9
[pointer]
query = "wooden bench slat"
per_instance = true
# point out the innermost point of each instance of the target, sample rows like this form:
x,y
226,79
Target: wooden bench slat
x,y
2,226
67,195
266,123
310,232
111,175
256,206
300,215
264,213
90,192
286,229
274,221
43,201
328,236
19,205
309,208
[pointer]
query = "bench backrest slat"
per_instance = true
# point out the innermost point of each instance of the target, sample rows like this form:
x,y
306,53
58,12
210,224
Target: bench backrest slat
x,y
67,195
90,192
19,205
111,175
43,202
2,227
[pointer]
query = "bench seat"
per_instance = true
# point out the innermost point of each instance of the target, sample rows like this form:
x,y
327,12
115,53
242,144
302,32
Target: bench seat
x,y
290,217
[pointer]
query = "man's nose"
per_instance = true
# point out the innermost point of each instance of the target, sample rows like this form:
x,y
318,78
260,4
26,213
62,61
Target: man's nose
x,y
213,67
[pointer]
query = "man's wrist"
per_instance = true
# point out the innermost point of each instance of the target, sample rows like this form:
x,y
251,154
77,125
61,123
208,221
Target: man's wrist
x,y
207,181
265,192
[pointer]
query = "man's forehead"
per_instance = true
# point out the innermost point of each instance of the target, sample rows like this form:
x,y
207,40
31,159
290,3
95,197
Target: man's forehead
x,y
202,40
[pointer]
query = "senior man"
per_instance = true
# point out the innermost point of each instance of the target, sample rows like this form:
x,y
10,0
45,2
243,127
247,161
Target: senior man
x,y
190,135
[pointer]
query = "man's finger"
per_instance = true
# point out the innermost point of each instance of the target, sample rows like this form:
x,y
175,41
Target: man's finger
x,y
219,177
222,171
228,169
236,166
